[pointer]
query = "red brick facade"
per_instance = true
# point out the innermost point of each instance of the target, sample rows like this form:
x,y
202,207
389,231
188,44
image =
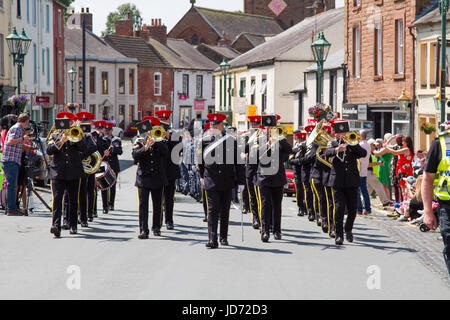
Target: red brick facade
x,y
295,11
58,53
147,98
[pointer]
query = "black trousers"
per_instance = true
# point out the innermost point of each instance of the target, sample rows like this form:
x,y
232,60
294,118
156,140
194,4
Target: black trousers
x,y
271,199
309,198
169,194
331,208
219,203
66,208
300,194
444,225
83,200
321,201
345,198
253,201
109,195
91,191
58,188
157,196
204,203
245,199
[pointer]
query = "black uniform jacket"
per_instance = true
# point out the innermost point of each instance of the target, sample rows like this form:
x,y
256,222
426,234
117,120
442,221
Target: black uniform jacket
x,y
316,165
345,174
221,176
103,142
115,152
172,169
66,162
151,172
278,179
298,163
251,163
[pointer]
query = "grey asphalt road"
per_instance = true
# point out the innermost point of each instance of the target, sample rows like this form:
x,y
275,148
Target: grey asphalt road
x,y
107,261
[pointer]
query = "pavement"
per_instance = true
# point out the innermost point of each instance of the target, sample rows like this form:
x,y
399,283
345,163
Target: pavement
x,y
387,260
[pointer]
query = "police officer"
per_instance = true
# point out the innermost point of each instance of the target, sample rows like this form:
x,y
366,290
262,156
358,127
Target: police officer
x,y
344,177
115,150
251,168
150,179
65,154
220,175
103,147
271,181
436,179
295,162
172,170
89,147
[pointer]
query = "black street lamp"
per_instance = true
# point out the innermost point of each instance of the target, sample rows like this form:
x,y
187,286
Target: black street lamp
x,y
72,74
320,49
225,68
18,47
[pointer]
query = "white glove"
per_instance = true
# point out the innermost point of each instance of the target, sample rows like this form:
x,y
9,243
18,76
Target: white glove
x,y
240,188
202,182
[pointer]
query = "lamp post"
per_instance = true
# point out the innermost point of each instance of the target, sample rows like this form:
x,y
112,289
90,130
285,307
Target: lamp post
x,y
320,49
18,47
403,101
443,8
225,68
72,74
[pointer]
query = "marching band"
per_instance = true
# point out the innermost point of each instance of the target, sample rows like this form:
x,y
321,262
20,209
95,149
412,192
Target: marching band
x,y
324,159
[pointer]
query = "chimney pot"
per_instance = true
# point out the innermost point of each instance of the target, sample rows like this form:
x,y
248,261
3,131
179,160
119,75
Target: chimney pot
x,y
73,11
87,10
159,21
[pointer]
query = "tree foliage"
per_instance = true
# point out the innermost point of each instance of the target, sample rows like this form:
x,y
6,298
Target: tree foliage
x,y
121,13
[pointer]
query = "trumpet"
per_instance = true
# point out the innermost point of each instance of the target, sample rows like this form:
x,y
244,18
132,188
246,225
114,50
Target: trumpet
x,y
352,138
279,133
158,133
74,135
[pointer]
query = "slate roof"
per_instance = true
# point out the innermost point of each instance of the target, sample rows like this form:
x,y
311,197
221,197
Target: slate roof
x,y
335,61
227,52
234,23
254,38
145,53
290,38
430,15
193,58
96,48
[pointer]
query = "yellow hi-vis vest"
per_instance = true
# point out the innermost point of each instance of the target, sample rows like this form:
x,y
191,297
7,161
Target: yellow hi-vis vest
x,y
376,169
442,179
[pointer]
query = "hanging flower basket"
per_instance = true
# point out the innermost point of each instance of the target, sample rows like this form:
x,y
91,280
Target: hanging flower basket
x,y
428,128
18,103
319,111
72,106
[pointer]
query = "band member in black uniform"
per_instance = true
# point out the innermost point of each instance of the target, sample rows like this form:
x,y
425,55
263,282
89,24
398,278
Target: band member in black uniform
x,y
150,179
344,178
305,175
103,147
204,202
294,161
251,168
172,169
115,150
271,186
329,190
65,154
89,147
219,177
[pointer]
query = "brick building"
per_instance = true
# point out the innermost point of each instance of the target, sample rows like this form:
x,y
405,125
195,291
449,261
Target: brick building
x,y
380,61
288,12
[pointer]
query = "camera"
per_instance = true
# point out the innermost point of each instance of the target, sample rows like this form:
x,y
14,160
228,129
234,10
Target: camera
x,y
8,121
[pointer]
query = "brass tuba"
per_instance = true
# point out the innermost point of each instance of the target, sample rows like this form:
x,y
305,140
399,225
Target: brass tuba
x,y
92,163
322,137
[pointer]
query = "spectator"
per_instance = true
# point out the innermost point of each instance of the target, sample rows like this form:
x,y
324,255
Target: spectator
x,y
372,180
11,160
403,168
385,169
394,177
363,176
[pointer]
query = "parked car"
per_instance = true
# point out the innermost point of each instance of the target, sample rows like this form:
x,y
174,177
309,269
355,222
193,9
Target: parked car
x,y
131,129
289,188
117,132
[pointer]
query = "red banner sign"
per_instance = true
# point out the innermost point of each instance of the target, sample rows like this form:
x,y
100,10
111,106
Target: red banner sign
x,y
42,99
199,105
182,96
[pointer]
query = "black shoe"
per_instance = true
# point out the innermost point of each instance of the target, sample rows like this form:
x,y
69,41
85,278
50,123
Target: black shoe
x,y
244,211
65,227
73,230
157,233
84,225
311,217
56,232
223,242
300,213
212,244
339,240
105,210
325,227
143,235
332,234
349,236
256,225
265,237
277,236
205,220
79,221
319,223
95,215
111,207
90,219
169,226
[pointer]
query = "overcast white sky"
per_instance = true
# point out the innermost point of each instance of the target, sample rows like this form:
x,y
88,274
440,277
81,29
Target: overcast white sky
x,y
170,11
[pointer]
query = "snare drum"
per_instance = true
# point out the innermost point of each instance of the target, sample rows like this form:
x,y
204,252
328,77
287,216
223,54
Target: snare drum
x,y
105,177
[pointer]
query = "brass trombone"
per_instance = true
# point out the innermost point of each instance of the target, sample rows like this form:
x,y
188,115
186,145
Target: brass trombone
x,y
74,134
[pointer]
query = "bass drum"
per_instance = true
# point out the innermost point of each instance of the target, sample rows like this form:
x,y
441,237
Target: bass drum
x,y
105,177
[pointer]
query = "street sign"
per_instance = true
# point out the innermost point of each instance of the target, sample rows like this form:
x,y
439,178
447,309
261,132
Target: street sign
x,y
42,99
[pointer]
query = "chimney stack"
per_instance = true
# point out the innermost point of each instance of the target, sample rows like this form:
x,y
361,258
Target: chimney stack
x,y
156,30
76,19
125,27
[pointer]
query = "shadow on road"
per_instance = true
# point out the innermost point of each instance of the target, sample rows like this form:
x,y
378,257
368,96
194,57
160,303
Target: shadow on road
x,y
125,164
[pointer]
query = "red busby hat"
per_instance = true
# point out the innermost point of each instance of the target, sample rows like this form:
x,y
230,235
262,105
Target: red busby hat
x,y
153,120
99,124
109,125
327,128
163,114
312,123
216,118
300,134
66,115
254,120
207,125
84,116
